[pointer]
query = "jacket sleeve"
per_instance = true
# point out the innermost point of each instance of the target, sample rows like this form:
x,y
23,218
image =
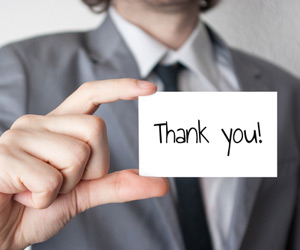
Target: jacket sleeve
x,y
12,87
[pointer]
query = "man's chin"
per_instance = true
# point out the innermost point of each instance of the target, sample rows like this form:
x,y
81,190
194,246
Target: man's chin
x,y
170,2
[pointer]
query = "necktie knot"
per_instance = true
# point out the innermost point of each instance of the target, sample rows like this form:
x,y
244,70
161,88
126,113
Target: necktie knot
x,y
169,75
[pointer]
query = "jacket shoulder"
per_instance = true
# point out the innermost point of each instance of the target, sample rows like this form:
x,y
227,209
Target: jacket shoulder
x,y
45,48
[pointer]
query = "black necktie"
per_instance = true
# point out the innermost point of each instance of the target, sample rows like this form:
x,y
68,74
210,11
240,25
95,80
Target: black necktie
x,y
168,74
190,203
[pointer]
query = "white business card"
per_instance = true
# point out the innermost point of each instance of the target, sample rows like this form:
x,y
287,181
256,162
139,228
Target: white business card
x,y
208,134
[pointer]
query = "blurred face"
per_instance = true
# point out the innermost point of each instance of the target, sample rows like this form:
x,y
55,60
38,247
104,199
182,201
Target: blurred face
x,y
164,6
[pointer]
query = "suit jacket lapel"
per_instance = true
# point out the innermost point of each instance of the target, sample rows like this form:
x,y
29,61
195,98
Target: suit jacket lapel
x,y
246,195
116,61
109,53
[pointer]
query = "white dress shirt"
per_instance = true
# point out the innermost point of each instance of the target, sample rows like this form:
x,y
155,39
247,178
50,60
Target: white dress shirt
x,y
207,68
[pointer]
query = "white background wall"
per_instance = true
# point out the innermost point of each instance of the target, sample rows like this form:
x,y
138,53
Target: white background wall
x,y
21,19
270,29
267,28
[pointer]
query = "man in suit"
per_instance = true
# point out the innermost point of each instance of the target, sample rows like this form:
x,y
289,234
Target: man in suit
x,y
55,166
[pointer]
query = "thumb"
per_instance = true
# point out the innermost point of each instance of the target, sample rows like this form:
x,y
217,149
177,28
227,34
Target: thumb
x,y
117,187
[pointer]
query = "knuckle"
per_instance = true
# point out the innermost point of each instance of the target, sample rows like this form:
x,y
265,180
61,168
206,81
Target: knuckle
x,y
25,120
42,202
129,81
118,186
97,126
49,190
134,81
122,179
80,155
54,182
85,86
11,135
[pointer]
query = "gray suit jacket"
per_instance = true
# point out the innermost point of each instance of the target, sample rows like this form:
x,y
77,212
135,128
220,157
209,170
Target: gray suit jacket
x,y
38,74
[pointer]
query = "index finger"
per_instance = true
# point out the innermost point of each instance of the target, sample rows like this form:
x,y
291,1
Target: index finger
x,y
87,98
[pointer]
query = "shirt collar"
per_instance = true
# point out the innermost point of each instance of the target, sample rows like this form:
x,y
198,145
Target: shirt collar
x,y
196,53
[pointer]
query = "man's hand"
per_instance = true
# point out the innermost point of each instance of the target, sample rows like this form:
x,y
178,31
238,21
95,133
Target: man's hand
x,y
55,166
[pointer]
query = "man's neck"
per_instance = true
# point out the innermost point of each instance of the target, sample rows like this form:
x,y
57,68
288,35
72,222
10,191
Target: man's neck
x,y
171,24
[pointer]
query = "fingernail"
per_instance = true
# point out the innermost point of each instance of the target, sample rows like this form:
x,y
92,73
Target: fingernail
x,y
145,84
